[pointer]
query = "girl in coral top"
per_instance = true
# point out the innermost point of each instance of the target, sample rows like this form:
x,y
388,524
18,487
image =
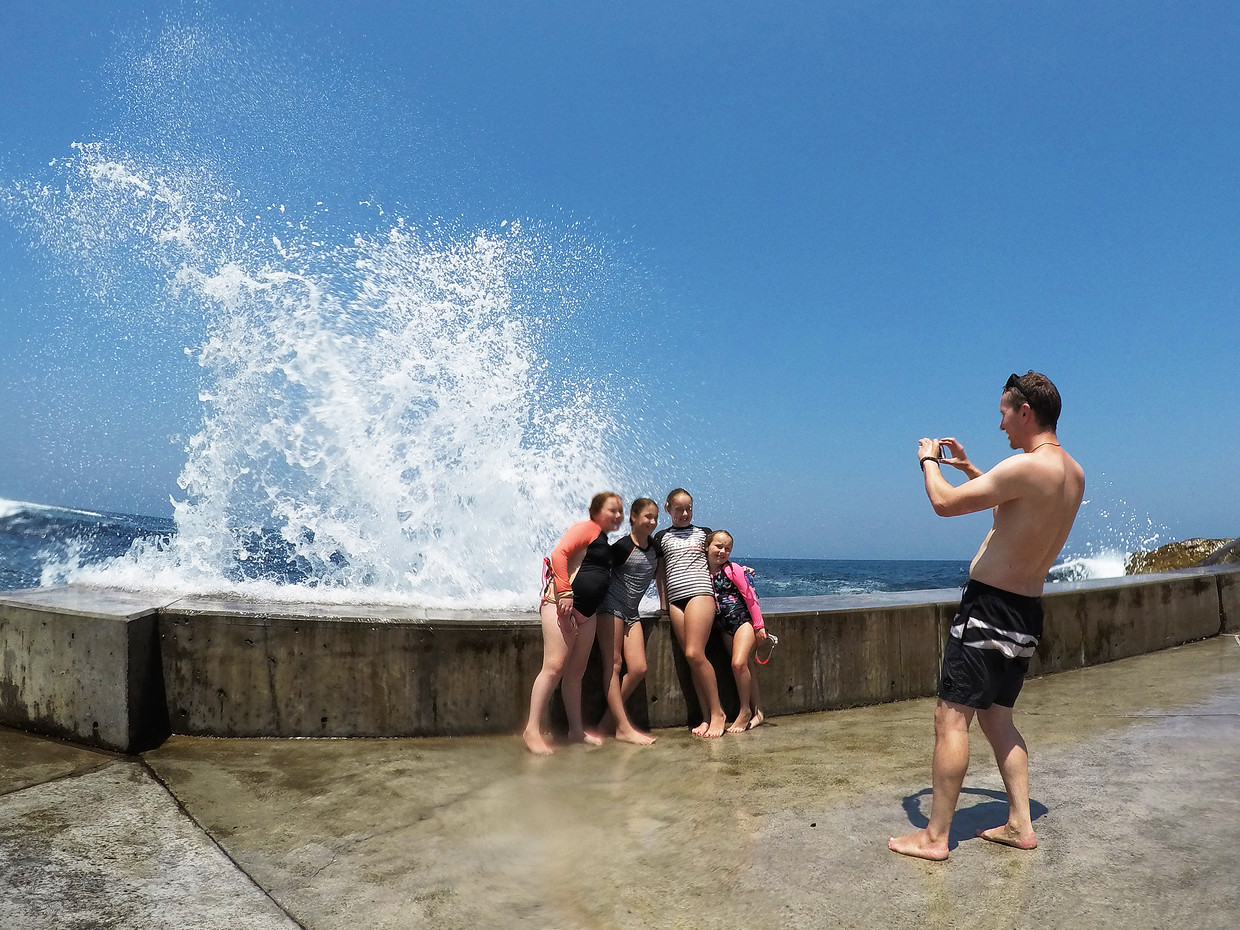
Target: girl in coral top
x,y
580,571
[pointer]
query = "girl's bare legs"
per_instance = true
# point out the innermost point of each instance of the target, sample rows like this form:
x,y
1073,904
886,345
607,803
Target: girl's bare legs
x,y
612,629
677,616
608,633
755,697
556,645
699,617
570,684
634,660
741,646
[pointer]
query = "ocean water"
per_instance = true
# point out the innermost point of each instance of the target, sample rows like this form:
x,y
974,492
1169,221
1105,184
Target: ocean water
x,y
41,544
809,577
44,545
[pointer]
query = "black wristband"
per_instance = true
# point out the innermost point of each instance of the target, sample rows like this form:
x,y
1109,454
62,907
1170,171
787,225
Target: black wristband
x,y
929,458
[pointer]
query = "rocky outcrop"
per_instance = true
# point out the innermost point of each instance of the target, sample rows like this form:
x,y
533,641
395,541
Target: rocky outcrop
x,y
1175,555
1229,553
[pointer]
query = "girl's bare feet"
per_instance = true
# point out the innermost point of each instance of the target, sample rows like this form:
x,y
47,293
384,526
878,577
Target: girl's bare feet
x,y
701,728
536,744
634,736
589,737
919,846
1006,836
741,723
714,728
757,719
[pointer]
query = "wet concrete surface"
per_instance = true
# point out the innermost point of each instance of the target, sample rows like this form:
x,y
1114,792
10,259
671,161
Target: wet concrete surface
x,y
91,840
1135,767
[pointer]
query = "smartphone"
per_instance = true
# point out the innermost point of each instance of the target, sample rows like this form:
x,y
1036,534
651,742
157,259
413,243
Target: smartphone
x,y
944,452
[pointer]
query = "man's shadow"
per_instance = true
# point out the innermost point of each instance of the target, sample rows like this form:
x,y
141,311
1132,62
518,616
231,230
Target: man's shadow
x,y
968,820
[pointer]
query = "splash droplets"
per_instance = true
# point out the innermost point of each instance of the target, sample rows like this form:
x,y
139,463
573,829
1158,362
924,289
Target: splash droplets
x,y
380,418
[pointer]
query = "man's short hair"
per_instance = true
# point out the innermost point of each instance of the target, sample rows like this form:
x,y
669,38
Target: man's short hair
x,y
1035,389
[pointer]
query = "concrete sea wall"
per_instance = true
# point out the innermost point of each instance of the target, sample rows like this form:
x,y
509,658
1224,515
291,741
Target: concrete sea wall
x,y
123,671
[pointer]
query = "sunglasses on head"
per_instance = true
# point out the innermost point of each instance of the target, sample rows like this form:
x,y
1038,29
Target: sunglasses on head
x,y
1013,384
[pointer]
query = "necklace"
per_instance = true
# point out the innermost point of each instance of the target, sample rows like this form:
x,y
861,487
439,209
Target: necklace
x,y
1049,442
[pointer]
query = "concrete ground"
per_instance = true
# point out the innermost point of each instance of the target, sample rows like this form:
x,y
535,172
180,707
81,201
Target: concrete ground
x,y
1134,774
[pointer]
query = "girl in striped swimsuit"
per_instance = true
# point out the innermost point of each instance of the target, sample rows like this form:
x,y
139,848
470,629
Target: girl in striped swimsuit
x,y
634,560
686,594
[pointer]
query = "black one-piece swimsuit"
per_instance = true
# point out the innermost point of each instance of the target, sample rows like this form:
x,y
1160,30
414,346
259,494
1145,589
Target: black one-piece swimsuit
x,y
593,577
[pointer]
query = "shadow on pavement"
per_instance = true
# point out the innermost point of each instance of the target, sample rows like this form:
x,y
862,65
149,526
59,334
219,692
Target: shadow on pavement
x,y
968,820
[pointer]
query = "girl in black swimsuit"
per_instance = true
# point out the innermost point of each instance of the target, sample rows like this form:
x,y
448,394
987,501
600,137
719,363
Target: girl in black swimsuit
x,y
580,571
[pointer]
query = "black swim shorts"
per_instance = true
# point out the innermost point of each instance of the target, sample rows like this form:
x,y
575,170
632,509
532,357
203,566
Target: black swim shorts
x,y
681,603
991,641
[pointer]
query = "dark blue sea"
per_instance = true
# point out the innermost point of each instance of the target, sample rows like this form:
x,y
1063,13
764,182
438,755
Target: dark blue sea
x,y
37,542
809,577
35,539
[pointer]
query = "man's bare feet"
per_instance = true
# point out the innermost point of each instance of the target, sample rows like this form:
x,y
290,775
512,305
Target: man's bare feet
x,y
757,719
919,846
589,737
741,723
536,744
1006,836
714,728
634,736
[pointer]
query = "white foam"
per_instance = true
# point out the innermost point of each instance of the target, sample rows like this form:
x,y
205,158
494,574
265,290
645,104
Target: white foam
x,y
10,508
1107,531
382,406
1105,564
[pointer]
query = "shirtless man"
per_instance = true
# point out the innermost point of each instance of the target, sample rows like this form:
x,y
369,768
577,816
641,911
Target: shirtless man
x,y
1035,497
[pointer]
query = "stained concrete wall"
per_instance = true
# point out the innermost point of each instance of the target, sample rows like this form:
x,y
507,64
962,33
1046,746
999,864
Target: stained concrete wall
x,y
832,653
1229,601
120,671
83,665
843,651
1090,623
284,670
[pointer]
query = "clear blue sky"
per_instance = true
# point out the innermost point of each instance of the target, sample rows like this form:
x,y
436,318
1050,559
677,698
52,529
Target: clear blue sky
x,y
841,226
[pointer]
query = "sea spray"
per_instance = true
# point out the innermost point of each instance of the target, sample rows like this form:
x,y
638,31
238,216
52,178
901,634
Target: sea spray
x,y
380,416
1107,531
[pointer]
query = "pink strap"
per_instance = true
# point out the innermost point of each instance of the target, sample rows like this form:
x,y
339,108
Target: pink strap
x,y
737,574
